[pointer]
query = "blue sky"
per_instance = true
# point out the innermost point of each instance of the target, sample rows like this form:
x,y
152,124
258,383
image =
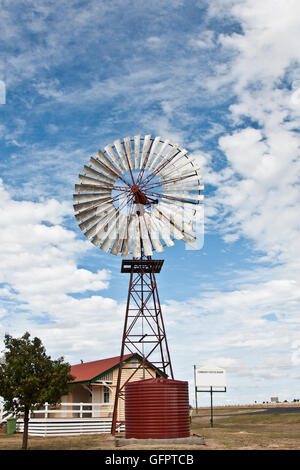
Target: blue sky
x,y
222,79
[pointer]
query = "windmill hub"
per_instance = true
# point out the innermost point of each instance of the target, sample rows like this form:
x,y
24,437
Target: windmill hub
x,y
139,196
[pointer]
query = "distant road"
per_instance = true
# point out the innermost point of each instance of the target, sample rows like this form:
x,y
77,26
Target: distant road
x,y
277,409
257,411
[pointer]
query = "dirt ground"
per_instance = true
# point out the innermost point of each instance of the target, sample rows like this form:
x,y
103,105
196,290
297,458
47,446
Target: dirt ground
x,y
253,431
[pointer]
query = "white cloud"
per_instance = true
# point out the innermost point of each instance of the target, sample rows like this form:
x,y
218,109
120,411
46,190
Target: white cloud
x,y
154,41
227,363
240,329
39,271
257,193
205,40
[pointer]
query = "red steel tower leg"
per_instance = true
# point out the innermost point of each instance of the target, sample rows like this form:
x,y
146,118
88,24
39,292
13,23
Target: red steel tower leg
x,y
144,331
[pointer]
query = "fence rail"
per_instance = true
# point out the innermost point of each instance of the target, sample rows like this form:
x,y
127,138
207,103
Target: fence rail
x,y
65,410
69,419
66,427
4,415
74,410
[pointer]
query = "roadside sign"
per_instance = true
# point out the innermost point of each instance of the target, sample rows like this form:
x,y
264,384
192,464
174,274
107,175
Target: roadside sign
x,y
205,378
212,379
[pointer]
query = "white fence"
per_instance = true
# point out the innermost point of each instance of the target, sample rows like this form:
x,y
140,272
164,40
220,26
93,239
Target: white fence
x,y
66,410
74,410
69,420
66,427
4,415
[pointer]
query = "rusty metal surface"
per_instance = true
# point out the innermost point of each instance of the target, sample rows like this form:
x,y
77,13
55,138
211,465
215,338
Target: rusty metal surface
x,y
157,408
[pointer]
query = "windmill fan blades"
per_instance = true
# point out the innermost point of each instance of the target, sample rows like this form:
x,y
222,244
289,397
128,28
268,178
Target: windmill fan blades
x,y
89,180
175,180
159,154
154,235
113,230
127,142
145,237
90,223
114,158
121,236
89,196
197,197
169,222
172,160
89,188
162,230
136,251
96,210
178,221
187,161
102,157
188,212
94,203
184,188
103,168
128,237
137,140
153,148
144,150
164,161
138,195
119,148
97,174
99,230
180,202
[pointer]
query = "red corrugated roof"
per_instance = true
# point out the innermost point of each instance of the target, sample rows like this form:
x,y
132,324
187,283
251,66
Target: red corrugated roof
x,y
89,370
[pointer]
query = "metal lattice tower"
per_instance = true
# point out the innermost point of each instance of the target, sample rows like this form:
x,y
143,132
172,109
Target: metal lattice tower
x,y
144,331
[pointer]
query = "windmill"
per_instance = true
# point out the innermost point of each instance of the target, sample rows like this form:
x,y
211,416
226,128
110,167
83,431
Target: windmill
x,y
135,198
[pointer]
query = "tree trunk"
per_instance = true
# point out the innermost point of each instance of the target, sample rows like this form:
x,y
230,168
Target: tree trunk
x,y
25,433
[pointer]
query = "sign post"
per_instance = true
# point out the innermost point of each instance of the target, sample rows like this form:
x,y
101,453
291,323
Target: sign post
x,y
209,380
196,401
211,408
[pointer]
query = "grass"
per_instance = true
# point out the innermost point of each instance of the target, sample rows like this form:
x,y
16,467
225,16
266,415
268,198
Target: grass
x,y
256,432
273,431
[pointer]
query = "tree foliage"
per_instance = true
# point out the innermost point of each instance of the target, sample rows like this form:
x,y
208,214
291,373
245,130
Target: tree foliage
x,y
29,378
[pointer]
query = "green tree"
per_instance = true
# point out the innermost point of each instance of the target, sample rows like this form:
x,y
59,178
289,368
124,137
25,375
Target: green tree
x,y
29,378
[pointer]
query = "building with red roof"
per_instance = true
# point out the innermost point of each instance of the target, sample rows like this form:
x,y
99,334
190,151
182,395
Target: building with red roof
x,y
89,372
95,383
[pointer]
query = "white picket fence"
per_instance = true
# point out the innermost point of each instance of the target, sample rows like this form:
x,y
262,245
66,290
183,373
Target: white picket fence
x,y
4,415
74,410
74,419
66,427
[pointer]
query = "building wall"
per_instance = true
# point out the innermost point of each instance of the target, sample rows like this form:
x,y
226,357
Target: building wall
x,y
78,392
126,373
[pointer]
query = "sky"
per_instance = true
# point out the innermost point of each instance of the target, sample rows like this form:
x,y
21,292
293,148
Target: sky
x,y
222,79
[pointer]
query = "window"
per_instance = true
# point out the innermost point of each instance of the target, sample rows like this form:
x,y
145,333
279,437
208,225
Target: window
x,y
105,395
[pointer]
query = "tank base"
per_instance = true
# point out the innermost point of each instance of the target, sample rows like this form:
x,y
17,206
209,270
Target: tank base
x,y
192,440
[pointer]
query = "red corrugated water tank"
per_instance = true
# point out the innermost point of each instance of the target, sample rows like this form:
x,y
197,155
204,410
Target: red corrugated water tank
x,y
157,408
